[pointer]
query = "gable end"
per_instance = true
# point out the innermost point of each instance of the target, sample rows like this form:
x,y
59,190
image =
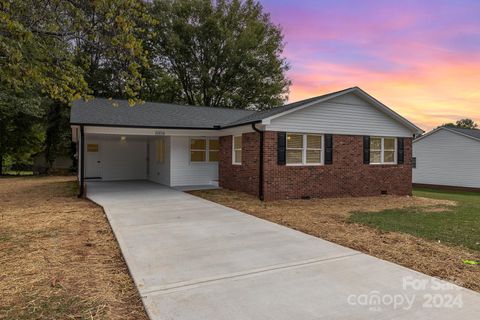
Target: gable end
x,y
350,113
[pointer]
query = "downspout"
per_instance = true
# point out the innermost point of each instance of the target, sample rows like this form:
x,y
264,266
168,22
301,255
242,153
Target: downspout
x,y
260,174
81,152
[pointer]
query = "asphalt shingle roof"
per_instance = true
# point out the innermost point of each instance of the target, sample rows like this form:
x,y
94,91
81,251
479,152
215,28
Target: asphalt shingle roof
x,y
112,112
99,111
474,133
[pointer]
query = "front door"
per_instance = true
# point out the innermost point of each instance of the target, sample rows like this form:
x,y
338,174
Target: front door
x,y
93,162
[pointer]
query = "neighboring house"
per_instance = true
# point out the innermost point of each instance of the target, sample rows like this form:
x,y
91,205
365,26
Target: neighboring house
x,y
448,156
344,143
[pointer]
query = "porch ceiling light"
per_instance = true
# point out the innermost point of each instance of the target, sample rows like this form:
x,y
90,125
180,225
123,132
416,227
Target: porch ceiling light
x,y
123,138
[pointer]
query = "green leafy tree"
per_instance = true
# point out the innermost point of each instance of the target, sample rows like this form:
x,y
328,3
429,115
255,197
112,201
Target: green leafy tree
x,y
221,53
54,51
462,123
58,140
49,46
20,128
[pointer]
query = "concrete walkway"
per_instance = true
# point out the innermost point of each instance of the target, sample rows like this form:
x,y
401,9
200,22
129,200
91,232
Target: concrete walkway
x,y
194,259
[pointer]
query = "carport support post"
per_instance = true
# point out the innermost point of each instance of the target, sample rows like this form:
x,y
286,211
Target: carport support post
x,y
81,151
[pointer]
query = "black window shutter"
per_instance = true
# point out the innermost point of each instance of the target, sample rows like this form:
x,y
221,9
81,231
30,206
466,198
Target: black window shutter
x,y
366,149
400,150
328,149
281,148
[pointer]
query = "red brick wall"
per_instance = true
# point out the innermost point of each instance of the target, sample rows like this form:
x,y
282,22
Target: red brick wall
x,y
242,177
347,176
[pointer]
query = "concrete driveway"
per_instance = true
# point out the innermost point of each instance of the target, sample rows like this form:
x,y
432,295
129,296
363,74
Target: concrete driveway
x,y
194,259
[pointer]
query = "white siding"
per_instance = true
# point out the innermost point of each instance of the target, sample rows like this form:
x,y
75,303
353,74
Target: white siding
x,y
159,172
347,114
447,158
183,172
121,160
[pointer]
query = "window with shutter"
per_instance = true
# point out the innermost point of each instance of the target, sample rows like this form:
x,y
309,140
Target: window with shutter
x,y
304,149
383,150
294,148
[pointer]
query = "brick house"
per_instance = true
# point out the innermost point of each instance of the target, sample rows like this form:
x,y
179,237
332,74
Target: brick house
x,y
344,143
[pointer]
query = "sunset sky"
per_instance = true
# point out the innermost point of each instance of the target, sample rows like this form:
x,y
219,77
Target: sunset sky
x,y
419,57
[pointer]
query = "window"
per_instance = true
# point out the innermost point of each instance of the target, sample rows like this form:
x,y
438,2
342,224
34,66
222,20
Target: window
x,y
304,149
204,150
213,149
198,150
314,149
160,152
237,150
383,150
414,163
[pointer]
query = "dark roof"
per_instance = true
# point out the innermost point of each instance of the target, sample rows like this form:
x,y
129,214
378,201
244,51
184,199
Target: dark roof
x,y
118,113
474,133
257,116
113,112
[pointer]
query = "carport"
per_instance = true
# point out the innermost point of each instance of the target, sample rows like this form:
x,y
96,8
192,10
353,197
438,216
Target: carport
x,y
117,157
172,145
162,156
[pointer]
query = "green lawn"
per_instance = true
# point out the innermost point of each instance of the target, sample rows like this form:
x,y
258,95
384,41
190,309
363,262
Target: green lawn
x,y
18,173
459,225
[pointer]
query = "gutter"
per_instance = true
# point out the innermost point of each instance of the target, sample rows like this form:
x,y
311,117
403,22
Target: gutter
x,y
140,127
260,174
81,151
215,127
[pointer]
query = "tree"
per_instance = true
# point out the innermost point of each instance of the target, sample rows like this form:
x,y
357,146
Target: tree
x,y
221,53
58,141
45,46
20,128
462,123
54,51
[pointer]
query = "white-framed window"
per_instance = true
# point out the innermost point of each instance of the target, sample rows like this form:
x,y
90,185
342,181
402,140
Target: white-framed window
x,y
304,149
383,150
204,149
237,149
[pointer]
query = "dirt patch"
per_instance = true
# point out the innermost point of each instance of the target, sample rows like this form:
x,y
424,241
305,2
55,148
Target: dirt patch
x,y
326,219
58,256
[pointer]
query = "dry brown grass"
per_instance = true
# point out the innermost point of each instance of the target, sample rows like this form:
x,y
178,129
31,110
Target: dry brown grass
x,y
326,219
58,256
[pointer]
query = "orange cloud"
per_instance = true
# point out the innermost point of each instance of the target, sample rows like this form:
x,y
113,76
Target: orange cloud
x,y
428,95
